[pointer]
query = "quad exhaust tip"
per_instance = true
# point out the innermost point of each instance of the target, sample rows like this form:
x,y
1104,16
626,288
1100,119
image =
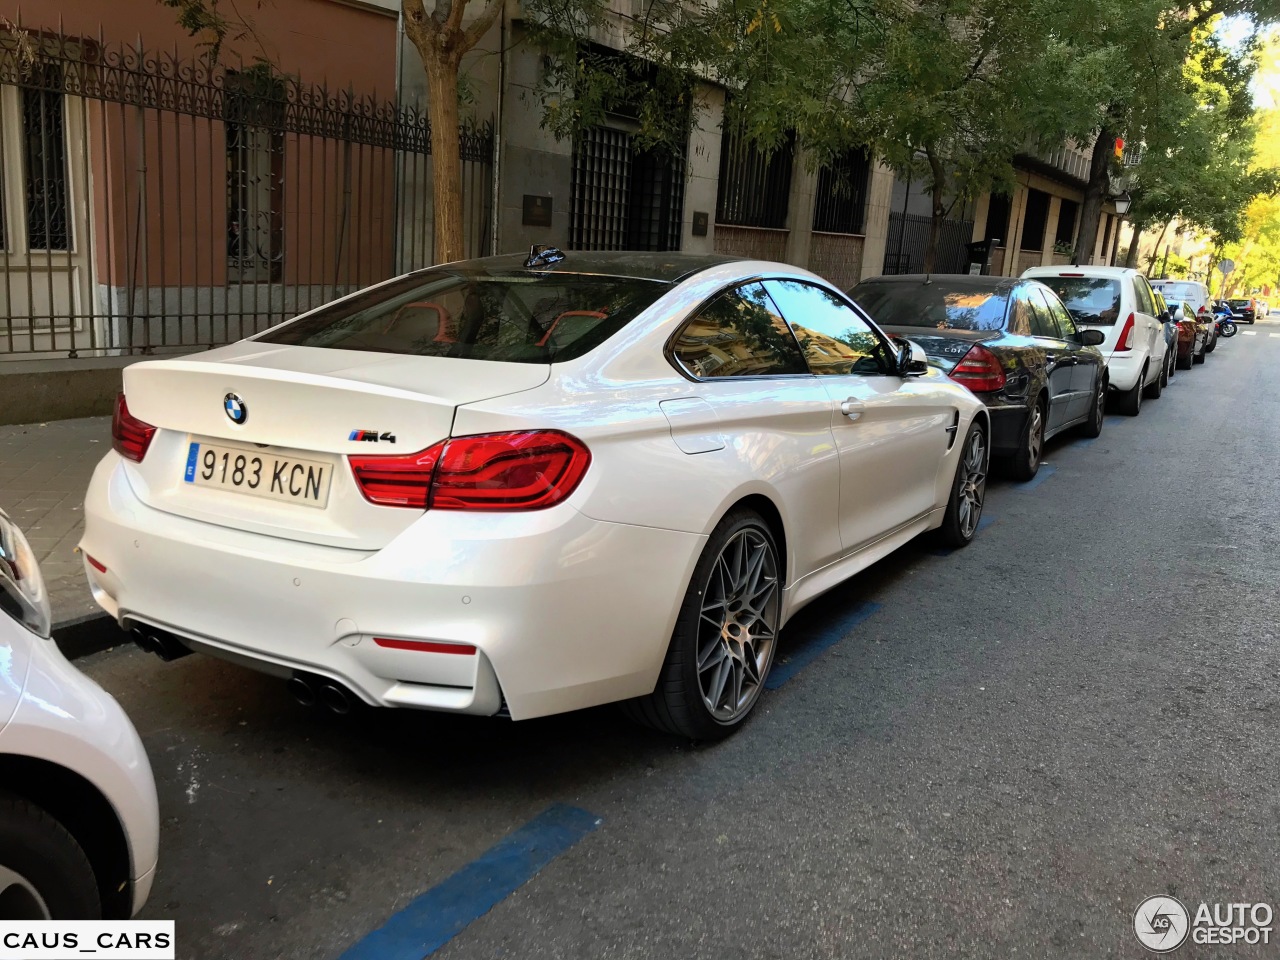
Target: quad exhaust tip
x,y
310,691
163,644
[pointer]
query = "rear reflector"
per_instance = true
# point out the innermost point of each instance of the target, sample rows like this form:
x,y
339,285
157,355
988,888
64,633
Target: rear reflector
x,y
95,564
1126,335
426,646
130,437
529,470
979,370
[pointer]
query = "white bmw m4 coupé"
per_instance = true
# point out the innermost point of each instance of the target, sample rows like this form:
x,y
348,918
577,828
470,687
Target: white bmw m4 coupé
x,y
528,485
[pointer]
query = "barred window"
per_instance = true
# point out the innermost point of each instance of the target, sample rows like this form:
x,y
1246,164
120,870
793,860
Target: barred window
x,y
754,185
44,161
841,204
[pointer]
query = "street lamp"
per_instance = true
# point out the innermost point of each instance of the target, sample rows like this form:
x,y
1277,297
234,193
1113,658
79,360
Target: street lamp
x,y
1123,203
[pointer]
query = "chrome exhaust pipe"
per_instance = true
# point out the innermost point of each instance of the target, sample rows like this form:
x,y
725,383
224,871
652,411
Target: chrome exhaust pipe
x,y
335,698
300,689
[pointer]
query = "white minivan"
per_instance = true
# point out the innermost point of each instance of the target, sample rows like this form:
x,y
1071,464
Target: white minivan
x,y
1119,302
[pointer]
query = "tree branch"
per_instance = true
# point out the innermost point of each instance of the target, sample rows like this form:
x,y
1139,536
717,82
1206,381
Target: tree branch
x,y
480,26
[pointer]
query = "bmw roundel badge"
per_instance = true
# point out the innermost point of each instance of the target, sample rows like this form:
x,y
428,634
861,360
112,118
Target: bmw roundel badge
x,y
237,410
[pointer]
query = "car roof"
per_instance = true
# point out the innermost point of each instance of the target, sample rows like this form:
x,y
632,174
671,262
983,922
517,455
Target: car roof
x,y
1088,270
629,264
951,281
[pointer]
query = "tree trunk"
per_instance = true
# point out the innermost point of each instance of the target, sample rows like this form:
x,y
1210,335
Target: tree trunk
x,y
1131,259
938,211
1095,192
446,160
1155,251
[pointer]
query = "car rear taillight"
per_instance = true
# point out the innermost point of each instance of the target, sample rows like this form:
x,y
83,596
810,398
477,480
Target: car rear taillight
x,y
528,470
979,370
1126,335
397,480
130,436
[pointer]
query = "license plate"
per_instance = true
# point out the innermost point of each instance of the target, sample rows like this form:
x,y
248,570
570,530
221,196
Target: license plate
x,y
259,473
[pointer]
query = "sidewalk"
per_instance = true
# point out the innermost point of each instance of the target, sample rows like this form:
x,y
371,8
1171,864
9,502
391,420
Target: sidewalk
x,y
44,471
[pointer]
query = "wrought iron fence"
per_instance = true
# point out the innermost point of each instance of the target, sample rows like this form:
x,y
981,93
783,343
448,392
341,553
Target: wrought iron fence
x,y
909,239
150,202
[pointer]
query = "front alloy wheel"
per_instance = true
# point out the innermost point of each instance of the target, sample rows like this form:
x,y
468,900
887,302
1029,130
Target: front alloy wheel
x,y
1026,462
725,637
968,490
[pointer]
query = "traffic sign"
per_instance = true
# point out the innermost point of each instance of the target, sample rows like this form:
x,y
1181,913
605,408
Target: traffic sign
x,y
1226,266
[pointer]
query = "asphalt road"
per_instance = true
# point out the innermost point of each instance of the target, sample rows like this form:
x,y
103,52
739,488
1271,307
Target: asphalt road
x,y
1024,740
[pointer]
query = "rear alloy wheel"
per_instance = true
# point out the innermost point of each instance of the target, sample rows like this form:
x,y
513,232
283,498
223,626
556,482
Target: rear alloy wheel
x,y
1026,462
44,875
1166,370
1130,402
1098,412
1202,355
724,641
1155,387
968,490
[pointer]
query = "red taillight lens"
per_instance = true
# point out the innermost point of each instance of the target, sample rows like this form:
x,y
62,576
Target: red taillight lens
x,y
509,471
130,436
1126,335
979,370
496,471
426,646
397,480
100,567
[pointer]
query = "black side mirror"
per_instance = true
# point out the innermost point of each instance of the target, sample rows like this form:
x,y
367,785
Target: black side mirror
x,y
1092,338
1164,316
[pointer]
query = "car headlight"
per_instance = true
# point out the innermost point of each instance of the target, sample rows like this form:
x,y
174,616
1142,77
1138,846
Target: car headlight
x,y
22,592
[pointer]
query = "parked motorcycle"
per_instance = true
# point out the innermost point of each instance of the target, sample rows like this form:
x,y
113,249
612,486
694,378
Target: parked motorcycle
x,y
1225,324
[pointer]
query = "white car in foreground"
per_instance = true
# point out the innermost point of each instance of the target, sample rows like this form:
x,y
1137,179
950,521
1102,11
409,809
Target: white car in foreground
x,y
512,486
79,826
1119,302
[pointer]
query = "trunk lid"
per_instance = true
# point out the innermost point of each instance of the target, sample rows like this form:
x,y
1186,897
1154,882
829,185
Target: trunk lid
x,y
301,405
944,348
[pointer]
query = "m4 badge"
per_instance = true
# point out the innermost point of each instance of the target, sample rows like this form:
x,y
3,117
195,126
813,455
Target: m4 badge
x,y
372,436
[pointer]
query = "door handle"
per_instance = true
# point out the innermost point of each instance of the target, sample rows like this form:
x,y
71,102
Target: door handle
x,y
852,408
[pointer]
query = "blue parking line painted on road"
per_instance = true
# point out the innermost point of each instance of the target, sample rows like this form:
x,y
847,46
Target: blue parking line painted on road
x,y
434,918
1046,471
812,648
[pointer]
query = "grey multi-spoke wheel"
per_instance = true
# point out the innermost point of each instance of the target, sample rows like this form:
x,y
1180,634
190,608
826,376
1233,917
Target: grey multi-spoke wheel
x,y
1097,413
725,637
968,489
44,874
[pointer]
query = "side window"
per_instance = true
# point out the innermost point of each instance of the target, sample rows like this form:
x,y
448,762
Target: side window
x,y
1043,322
738,334
1142,295
834,338
1022,319
1065,323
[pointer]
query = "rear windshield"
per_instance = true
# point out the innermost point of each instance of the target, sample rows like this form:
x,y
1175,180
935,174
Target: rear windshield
x,y
1181,291
931,305
1091,300
474,315
1238,303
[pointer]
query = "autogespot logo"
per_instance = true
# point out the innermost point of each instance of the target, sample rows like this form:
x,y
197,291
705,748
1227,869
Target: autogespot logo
x,y
237,410
1161,923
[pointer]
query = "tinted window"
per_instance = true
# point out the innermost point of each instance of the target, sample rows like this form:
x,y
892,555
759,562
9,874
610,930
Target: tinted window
x,y
1091,301
1022,317
934,304
1043,321
1181,291
1065,324
831,334
738,334
525,317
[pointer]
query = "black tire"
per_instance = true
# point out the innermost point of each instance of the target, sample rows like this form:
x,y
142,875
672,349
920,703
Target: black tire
x,y
677,704
1200,357
1166,371
1213,342
1130,402
1153,389
958,531
40,850
1186,364
1098,414
1025,464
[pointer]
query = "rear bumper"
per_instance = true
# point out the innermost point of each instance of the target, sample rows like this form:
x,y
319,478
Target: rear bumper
x,y
1124,370
564,611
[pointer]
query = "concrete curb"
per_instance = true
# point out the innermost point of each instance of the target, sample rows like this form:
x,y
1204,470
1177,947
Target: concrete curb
x,y
81,636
